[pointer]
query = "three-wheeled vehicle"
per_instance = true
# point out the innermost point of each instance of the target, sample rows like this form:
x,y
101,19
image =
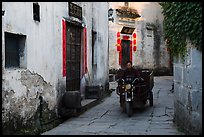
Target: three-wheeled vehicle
x,y
135,91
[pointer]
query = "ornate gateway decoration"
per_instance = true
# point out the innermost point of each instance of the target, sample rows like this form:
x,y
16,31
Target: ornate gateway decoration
x,y
127,12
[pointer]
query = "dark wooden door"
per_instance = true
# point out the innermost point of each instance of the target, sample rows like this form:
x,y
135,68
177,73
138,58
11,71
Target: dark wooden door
x,y
73,57
125,52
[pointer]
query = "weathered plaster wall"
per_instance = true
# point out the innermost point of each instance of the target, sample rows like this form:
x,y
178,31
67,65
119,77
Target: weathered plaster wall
x,y
188,91
37,88
98,72
87,22
21,94
151,50
101,44
42,75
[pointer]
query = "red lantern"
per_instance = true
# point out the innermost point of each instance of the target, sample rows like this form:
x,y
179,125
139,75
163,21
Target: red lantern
x,y
134,35
118,48
134,42
134,48
118,41
118,34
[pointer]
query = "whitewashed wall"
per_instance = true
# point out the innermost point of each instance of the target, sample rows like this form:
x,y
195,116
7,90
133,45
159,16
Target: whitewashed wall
x,y
151,51
100,14
96,18
43,54
42,75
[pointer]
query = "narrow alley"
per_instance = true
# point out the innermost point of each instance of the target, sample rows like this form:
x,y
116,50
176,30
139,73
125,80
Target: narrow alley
x,y
107,119
61,61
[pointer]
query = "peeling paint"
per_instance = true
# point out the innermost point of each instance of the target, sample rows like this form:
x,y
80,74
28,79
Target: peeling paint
x,y
22,108
36,85
42,77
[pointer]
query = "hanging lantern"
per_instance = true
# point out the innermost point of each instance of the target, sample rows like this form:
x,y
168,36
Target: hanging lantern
x,y
134,39
118,41
134,48
118,48
134,35
118,34
134,42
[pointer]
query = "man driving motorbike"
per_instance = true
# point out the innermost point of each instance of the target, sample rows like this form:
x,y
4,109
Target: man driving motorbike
x,y
130,71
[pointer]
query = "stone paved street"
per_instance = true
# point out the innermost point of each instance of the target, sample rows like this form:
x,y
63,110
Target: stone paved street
x,y
106,118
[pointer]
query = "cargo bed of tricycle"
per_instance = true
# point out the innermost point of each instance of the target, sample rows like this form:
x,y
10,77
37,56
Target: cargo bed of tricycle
x,y
142,90
148,76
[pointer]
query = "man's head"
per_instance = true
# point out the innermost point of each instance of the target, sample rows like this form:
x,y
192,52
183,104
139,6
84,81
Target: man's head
x,y
129,64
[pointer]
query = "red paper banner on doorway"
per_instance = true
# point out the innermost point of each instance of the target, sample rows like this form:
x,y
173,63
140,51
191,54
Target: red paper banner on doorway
x,y
63,48
120,57
131,52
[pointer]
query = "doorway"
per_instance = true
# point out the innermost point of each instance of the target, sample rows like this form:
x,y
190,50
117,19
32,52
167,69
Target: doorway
x,y
73,52
125,47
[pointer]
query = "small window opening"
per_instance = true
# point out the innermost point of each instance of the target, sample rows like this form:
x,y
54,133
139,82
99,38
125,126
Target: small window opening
x,y
126,4
14,50
36,12
93,47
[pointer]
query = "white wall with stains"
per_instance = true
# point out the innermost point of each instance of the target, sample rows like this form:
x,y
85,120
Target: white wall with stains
x,y
151,51
98,69
42,75
43,55
100,22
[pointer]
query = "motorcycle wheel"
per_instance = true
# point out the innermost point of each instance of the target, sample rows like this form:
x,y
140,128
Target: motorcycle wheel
x,y
128,107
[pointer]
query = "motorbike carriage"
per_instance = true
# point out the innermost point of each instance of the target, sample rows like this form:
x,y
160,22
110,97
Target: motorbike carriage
x,y
134,92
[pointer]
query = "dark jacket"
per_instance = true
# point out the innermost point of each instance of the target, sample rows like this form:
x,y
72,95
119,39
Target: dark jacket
x,y
131,73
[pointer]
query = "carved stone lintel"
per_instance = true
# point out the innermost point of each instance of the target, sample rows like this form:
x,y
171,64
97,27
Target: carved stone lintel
x,y
125,12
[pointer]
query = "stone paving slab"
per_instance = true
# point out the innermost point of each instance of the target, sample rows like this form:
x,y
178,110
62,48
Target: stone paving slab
x,y
106,117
